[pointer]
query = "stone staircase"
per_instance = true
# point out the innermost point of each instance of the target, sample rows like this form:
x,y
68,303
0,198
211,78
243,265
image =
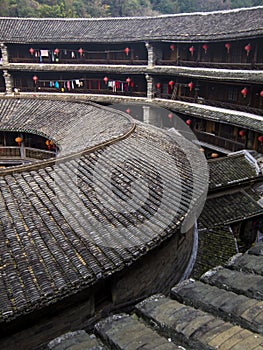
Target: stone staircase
x,y
223,310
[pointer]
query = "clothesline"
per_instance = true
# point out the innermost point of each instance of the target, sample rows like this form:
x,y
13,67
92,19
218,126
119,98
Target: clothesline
x,y
47,52
71,84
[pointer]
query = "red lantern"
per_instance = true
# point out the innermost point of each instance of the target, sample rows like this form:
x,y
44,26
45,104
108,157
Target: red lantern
x,y
205,47
106,79
35,79
248,48
171,83
170,116
31,50
56,51
48,143
192,50
214,155
242,133
191,86
244,92
261,93
172,47
81,51
128,80
127,50
189,122
19,140
228,46
158,85
260,138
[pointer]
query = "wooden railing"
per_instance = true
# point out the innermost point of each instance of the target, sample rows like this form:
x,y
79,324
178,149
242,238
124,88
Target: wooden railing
x,y
83,91
26,153
226,105
219,141
139,62
217,65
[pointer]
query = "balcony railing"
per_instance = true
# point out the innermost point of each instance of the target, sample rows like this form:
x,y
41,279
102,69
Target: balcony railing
x,y
80,61
83,91
219,141
217,65
226,105
24,153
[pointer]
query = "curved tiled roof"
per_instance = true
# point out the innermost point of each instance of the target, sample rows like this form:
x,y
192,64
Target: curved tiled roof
x,y
70,222
221,25
67,124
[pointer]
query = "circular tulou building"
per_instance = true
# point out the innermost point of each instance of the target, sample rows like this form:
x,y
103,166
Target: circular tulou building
x,y
115,134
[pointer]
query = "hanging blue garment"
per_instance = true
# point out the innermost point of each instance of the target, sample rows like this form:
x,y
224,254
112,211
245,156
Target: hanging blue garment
x,y
57,85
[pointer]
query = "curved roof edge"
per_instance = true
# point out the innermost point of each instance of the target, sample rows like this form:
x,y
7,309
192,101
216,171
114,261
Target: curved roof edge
x,y
191,27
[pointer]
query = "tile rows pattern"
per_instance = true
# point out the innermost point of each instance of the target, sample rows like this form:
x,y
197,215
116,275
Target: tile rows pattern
x,y
67,225
199,26
206,314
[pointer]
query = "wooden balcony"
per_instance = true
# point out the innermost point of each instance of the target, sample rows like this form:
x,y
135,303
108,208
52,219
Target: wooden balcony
x,y
217,65
220,104
219,141
48,89
24,153
102,61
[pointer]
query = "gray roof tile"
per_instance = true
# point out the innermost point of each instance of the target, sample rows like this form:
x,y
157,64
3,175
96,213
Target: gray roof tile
x,y
61,229
224,25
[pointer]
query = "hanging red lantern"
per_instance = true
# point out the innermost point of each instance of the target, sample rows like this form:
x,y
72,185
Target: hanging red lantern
x,y
127,51
260,138
81,51
192,50
56,51
189,122
31,50
171,83
48,143
214,155
242,133
172,47
35,79
158,85
191,86
170,116
128,80
228,46
248,48
261,93
244,92
106,79
205,47
19,140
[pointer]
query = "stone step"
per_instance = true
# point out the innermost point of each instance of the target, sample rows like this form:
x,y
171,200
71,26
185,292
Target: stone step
x,y
244,311
124,332
239,282
78,340
195,328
